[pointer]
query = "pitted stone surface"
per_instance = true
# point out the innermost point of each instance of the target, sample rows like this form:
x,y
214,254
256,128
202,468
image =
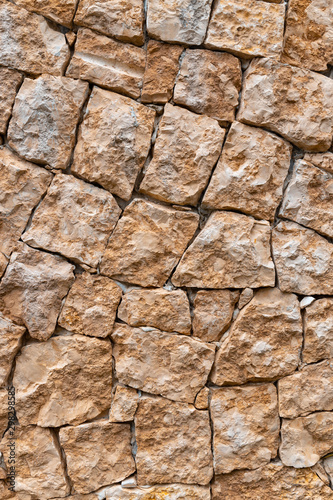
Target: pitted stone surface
x,y
124,404
321,160
60,11
318,331
172,491
10,82
10,343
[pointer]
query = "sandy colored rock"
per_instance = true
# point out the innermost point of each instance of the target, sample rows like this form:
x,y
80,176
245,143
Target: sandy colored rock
x,y
147,243
167,452
172,491
60,11
295,103
69,388
202,399
250,173
22,185
44,119
170,365
318,331
160,308
264,342
161,70
185,152
124,404
328,466
29,43
308,198
90,306
182,21
10,82
75,219
245,297
303,260
4,407
32,289
114,65
97,454
3,263
231,251
113,142
321,160
212,313
209,83
10,343
246,28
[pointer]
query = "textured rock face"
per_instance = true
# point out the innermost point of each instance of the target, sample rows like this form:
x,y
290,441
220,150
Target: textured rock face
x,y
10,343
321,160
147,243
250,173
264,342
209,83
245,297
10,82
44,120
295,103
113,142
173,366
167,452
172,491
124,404
232,250
3,411
186,150
318,331
60,11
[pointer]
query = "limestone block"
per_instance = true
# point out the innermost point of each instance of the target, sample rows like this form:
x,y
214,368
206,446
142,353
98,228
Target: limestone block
x,y
10,343
202,399
245,297
124,404
59,11
165,492
10,82
321,160
318,331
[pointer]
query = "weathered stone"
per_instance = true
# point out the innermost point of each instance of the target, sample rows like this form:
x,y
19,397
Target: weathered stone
x,y
174,443
201,400
32,289
113,142
75,219
185,152
124,404
161,71
321,472
232,251
318,331
328,466
264,342
295,103
323,160
91,305
303,260
246,427
250,173
97,454
10,82
162,309
122,19
212,313
306,301
245,297
308,198
147,243
308,390
74,384
165,492
246,28
209,83
71,38
44,119
60,11
182,21
114,65
3,263
170,365
10,343
5,402
22,185
29,43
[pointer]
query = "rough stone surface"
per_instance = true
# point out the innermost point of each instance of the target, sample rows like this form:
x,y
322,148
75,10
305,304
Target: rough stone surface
x,y
209,83
321,160
295,103
167,452
10,82
245,297
186,150
318,331
165,492
171,365
75,219
147,243
10,343
124,404
232,251
4,395
202,399
264,342
60,11
250,174
3,264
113,142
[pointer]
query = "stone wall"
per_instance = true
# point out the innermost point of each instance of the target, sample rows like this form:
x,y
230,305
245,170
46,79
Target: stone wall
x,y
166,256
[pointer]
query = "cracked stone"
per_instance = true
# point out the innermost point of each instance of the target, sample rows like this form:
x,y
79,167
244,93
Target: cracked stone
x,y
3,264
124,404
10,82
59,11
167,491
318,331
245,297
321,160
10,344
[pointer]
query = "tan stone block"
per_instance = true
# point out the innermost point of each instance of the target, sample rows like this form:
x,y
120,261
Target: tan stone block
x,y
10,82
10,343
60,11
318,331
202,399
3,264
124,404
5,399
167,491
245,297
323,160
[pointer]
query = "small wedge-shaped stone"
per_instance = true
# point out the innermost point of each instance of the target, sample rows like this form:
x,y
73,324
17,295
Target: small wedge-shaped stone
x,y
321,160
106,62
231,251
28,42
60,11
113,142
147,243
75,219
10,343
124,404
7,397
174,443
246,427
295,103
250,173
65,380
303,260
91,305
44,120
170,365
10,81
185,152
32,289
308,390
264,342
3,263
22,185
162,309
97,454
318,331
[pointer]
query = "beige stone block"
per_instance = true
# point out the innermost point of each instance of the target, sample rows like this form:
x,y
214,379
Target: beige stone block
x,y
10,82
59,11
124,404
10,343
318,331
